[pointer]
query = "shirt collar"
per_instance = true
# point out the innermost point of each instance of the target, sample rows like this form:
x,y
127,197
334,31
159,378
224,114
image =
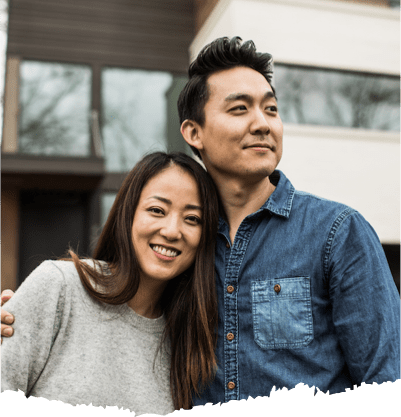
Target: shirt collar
x,y
280,202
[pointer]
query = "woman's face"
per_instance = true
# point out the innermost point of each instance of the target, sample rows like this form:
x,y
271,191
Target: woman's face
x,y
167,225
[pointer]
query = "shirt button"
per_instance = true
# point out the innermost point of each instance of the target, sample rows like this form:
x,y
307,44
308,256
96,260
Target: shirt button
x,y
230,336
227,245
230,289
277,288
231,385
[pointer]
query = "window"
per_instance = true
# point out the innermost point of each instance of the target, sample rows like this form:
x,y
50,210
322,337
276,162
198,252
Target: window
x,y
55,104
336,98
107,200
135,114
3,48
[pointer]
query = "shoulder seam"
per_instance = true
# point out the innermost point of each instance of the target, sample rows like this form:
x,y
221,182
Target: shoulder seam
x,y
330,238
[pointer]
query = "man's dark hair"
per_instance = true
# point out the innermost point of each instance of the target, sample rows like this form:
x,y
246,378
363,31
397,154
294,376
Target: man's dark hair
x,y
221,54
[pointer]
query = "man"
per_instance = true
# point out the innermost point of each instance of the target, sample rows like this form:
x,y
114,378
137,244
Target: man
x,y
305,292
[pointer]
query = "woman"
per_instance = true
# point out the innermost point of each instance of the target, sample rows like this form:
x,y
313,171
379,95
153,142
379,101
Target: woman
x,y
137,327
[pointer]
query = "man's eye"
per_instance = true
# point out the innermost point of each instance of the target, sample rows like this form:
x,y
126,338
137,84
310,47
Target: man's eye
x,y
239,108
272,109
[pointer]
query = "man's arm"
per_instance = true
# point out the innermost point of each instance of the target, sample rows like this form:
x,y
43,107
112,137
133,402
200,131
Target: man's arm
x,y
6,317
365,300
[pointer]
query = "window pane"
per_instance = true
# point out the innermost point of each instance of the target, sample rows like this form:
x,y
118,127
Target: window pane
x,y
3,58
55,109
134,115
334,98
107,201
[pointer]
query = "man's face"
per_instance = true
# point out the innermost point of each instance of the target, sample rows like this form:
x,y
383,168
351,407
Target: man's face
x,y
242,134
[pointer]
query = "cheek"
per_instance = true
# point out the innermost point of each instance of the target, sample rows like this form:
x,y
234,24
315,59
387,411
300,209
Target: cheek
x,y
138,232
194,241
278,128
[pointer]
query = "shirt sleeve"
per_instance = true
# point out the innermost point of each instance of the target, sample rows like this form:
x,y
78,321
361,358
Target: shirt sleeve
x,y
365,301
38,306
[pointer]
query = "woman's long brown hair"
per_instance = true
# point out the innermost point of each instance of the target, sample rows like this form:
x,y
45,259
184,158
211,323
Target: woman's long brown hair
x,y
189,301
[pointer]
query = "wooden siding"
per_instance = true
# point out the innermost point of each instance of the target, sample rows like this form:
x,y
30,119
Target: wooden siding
x,y
9,236
149,34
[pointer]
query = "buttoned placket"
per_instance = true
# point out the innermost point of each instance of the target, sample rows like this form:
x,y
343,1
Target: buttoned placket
x,y
234,256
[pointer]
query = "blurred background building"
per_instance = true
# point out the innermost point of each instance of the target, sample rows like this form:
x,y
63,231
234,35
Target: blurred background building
x,y
90,86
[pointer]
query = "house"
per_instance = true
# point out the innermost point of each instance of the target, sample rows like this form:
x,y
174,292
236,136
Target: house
x,y
91,86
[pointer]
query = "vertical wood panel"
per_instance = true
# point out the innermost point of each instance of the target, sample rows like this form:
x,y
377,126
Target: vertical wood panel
x,y
9,237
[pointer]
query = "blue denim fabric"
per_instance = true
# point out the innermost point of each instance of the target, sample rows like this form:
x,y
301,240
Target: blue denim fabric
x,y
334,320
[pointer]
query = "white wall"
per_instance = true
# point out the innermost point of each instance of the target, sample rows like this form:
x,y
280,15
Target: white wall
x,y
357,167
340,164
321,33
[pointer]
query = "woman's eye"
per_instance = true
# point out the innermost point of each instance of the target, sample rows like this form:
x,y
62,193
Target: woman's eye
x,y
194,219
155,210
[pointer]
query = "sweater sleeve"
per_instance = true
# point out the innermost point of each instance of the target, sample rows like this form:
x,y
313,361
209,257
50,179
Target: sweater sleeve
x,y
38,306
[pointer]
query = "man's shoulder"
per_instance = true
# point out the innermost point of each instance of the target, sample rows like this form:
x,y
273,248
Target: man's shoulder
x,y
296,204
306,197
321,208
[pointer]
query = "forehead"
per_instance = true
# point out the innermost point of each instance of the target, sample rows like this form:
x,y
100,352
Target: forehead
x,y
238,80
173,181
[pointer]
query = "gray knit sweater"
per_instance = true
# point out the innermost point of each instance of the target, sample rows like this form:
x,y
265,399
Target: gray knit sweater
x,y
71,348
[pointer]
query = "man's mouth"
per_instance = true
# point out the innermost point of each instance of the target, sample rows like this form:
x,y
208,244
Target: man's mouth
x,y
171,253
260,145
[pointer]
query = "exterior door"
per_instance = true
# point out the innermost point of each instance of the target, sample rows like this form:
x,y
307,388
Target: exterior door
x,y
50,223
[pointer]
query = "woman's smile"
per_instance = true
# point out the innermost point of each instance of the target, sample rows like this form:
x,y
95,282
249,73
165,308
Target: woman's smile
x,y
167,225
165,253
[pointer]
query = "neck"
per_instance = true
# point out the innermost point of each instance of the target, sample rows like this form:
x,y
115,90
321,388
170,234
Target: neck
x,y
241,198
146,300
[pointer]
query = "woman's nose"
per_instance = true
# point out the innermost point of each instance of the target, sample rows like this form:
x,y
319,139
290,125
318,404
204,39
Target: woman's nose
x,y
171,229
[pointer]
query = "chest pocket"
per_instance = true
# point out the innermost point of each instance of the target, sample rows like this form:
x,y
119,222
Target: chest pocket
x,y
282,313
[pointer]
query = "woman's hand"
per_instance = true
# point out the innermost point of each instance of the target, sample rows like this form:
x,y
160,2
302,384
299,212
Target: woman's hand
x,y
6,318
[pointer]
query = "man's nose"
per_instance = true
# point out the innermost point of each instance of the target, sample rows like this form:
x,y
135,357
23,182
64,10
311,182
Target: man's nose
x,y
260,125
171,229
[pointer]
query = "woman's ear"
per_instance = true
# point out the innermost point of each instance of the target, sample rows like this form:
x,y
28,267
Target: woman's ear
x,y
190,131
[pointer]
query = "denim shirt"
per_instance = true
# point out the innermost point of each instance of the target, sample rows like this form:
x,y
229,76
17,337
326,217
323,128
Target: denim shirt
x,y
305,295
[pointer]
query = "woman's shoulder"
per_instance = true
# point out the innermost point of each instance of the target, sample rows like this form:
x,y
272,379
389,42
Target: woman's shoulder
x,y
60,273
67,267
49,273
67,270
49,284
76,285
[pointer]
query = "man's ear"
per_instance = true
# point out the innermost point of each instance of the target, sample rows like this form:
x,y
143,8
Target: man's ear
x,y
190,130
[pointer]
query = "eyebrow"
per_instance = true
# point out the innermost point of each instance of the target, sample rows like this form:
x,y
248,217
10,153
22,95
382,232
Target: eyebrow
x,y
247,97
167,201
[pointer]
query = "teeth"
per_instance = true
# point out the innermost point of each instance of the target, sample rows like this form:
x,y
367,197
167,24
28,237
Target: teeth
x,y
164,251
